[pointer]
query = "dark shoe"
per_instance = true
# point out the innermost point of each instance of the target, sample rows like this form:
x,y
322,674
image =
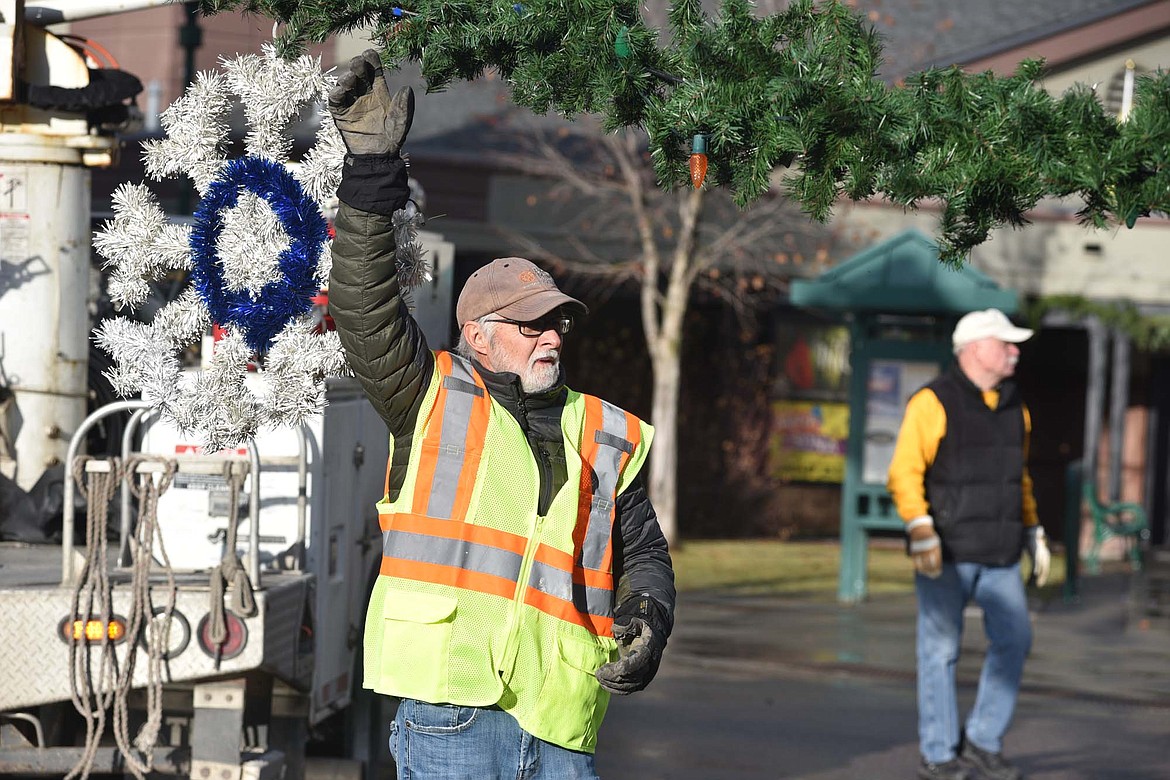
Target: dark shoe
x,y
988,765
950,770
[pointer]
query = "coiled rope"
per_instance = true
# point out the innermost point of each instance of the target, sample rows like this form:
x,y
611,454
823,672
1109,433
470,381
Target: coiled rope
x,y
153,634
92,698
111,688
230,572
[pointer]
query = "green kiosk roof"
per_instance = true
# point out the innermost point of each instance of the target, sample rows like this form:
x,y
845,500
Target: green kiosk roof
x,y
902,275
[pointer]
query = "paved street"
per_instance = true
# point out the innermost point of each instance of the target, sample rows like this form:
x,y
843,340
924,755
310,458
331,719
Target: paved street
x,y
765,688
751,721
761,688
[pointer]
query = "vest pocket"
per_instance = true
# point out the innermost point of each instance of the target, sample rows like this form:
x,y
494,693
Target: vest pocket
x,y
572,702
416,644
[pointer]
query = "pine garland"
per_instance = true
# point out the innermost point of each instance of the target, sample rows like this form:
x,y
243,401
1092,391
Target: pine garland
x,y
1149,332
797,88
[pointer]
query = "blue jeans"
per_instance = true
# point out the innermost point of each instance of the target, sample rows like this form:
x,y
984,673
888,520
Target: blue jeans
x,y
446,742
999,590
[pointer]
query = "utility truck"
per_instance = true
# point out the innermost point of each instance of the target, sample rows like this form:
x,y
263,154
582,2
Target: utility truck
x,y
256,562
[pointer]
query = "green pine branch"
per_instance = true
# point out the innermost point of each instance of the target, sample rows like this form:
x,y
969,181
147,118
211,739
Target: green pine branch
x,y
1149,332
798,88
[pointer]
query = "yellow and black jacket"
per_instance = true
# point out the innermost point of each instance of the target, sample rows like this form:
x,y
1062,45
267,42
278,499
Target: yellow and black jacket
x,y
961,458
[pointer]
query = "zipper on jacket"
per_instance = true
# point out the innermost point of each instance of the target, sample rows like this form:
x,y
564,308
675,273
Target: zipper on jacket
x,y
511,646
545,472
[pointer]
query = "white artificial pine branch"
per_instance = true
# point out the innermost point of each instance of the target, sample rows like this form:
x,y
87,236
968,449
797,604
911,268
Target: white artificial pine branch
x,y
220,409
295,369
250,244
183,320
143,359
413,270
320,169
197,131
325,264
172,246
224,404
272,90
162,381
138,245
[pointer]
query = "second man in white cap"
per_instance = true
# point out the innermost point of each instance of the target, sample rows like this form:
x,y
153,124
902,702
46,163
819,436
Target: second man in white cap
x,y
960,482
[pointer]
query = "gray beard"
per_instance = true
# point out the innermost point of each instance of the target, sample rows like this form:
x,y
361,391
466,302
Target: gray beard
x,y
533,379
535,385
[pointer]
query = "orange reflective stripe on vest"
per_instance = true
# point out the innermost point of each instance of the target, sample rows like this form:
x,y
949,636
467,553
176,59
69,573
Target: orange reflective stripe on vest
x,y
453,443
581,590
607,442
453,553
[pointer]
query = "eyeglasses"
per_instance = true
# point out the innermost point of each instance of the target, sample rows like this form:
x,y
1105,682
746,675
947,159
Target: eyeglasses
x,y
561,323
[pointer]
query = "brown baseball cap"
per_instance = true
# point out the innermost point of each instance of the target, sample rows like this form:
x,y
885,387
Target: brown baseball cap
x,y
514,288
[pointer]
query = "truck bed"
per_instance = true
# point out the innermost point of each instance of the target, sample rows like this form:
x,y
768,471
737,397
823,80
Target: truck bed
x,y
34,656
29,565
38,566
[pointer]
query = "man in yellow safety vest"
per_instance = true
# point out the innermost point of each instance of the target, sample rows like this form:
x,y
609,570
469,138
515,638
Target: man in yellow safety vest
x,y
524,576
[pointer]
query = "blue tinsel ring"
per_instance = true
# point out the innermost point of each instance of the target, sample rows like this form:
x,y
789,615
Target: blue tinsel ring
x,y
279,302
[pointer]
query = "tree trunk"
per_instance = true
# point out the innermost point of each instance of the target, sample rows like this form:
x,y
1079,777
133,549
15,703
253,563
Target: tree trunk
x,y
664,451
663,314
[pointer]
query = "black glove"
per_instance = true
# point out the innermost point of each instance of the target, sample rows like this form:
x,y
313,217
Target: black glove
x,y
639,626
370,121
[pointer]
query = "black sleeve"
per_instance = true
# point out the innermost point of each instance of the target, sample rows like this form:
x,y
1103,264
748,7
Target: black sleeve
x,y
642,562
376,183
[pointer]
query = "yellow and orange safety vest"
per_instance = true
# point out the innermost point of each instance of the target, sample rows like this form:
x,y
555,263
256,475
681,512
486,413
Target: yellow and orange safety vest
x,y
481,601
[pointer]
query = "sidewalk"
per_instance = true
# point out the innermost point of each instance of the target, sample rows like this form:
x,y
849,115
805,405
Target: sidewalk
x,y
1089,650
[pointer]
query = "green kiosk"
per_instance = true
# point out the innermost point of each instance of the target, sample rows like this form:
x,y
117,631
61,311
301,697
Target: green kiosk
x,y
901,305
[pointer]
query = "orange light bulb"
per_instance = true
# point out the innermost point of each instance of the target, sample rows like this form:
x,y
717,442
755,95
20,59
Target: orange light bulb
x,y
698,161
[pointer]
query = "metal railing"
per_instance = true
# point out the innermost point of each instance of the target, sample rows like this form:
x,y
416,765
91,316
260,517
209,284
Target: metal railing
x,y
205,465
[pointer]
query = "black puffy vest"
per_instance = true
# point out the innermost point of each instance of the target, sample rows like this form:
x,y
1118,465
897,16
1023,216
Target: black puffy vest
x,y
974,487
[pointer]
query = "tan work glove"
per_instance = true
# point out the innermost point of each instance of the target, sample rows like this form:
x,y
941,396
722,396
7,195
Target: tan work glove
x,y
1037,543
925,547
369,119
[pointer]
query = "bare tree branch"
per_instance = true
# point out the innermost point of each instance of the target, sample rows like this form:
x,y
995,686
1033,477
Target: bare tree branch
x,y
599,195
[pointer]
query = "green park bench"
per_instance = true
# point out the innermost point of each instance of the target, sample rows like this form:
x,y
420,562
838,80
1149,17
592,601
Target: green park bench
x,y
1113,520
1116,520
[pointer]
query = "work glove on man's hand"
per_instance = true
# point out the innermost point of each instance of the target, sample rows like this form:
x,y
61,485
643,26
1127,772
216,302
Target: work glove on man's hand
x,y
924,546
1037,543
369,119
639,626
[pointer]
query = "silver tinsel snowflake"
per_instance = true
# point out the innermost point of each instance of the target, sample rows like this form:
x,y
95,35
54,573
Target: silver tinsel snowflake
x,y
224,404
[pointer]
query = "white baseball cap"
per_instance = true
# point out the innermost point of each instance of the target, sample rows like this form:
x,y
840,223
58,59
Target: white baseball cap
x,y
989,323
